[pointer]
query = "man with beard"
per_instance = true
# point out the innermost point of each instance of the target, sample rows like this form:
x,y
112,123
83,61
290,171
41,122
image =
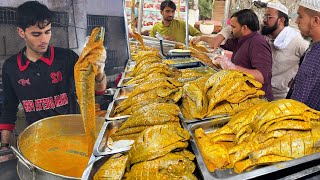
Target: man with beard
x,y
287,44
251,52
307,81
170,28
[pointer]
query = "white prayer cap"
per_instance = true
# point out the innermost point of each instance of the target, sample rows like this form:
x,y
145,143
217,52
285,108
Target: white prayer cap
x,y
311,4
278,6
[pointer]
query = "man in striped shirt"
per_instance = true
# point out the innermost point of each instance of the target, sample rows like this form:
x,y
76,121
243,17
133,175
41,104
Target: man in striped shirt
x,y
307,80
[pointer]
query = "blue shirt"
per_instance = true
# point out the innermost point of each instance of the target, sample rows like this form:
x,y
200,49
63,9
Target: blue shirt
x,y
307,81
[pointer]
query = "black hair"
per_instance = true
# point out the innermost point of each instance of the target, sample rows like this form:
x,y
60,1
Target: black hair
x,y
285,16
249,18
33,13
168,3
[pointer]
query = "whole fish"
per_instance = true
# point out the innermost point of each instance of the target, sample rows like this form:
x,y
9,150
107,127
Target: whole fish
x,y
84,75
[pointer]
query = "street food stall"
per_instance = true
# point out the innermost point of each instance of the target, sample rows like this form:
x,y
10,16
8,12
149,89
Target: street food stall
x,y
173,118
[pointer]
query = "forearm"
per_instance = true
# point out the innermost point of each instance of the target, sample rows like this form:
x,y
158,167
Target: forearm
x,y
5,136
256,73
226,32
100,82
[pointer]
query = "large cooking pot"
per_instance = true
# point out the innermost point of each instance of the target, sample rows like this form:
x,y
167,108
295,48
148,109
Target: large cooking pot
x,y
53,148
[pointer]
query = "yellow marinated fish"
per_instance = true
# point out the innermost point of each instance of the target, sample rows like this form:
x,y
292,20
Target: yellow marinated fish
x,y
84,74
113,168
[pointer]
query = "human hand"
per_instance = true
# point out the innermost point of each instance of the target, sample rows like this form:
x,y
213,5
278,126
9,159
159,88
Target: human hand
x,y
215,41
195,40
170,38
101,62
131,34
5,157
224,62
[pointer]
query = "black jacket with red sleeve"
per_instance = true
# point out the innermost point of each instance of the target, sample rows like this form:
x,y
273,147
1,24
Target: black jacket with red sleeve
x,y
45,88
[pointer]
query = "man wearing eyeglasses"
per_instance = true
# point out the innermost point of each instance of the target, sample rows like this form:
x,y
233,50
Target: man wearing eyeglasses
x,y
287,44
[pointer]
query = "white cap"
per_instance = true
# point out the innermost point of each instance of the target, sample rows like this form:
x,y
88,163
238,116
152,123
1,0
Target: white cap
x,y
311,4
278,6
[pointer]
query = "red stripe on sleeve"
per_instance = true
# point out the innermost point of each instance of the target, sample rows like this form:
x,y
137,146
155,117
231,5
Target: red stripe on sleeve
x,y
8,127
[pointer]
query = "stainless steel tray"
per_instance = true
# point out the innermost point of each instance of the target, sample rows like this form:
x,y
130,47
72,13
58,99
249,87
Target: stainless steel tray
x,y
123,81
102,147
209,126
110,111
181,64
122,93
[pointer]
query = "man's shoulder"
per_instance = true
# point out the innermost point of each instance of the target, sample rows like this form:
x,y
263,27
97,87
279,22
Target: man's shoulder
x,y
179,22
10,61
157,25
258,38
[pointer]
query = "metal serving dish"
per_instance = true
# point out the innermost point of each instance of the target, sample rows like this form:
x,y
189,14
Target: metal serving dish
x,y
123,81
122,93
104,147
182,63
209,126
110,111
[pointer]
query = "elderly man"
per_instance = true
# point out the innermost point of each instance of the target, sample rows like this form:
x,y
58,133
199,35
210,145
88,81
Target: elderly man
x,y
307,80
287,44
251,52
170,28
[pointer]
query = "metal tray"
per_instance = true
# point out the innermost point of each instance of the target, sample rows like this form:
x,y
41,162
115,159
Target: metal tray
x,y
122,93
181,64
102,147
123,81
209,126
110,111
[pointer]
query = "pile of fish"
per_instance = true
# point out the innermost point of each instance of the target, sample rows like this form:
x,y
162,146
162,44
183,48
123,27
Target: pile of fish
x,y
156,113
157,153
155,90
154,70
143,60
263,134
225,92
